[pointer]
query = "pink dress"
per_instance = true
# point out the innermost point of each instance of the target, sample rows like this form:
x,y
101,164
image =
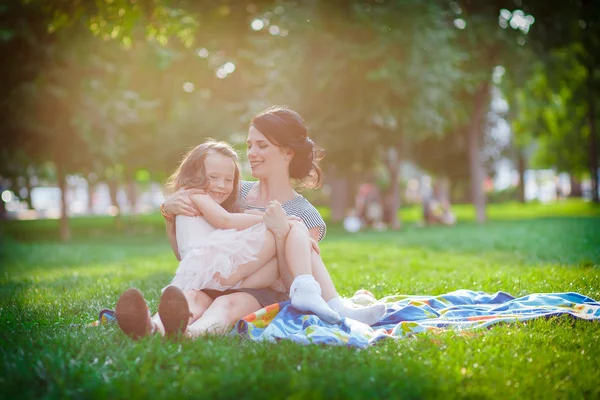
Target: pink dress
x,y
208,253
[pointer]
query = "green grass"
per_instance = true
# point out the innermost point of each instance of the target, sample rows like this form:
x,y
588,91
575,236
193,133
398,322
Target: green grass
x,y
49,291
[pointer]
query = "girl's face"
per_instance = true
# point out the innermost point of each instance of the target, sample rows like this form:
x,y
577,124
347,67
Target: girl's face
x,y
264,156
220,171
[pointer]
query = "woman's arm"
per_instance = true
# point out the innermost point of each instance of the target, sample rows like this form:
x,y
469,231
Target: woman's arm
x,y
179,203
218,217
171,234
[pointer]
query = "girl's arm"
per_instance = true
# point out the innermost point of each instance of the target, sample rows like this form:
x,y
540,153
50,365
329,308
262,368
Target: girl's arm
x,y
218,217
171,234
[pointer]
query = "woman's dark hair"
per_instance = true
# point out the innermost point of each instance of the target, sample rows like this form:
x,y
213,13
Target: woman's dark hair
x,y
285,128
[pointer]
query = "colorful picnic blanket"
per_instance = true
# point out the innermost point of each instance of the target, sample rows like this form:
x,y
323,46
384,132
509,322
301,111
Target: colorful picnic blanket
x,y
461,310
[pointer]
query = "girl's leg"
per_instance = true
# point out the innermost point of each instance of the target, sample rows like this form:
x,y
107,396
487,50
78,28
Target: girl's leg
x,y
223,313
297,243
266,253
305,291
322,276
369,315
297,254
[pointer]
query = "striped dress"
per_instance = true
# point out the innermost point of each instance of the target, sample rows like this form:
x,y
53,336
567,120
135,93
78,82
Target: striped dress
x,y
298,206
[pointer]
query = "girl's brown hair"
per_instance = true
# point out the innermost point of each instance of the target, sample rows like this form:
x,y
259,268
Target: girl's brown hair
x,y
191,172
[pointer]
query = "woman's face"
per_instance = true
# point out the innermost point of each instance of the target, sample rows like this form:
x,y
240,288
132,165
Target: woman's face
x,y
265,157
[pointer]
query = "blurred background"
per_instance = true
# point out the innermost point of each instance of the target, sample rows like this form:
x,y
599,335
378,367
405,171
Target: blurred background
x,y
472,101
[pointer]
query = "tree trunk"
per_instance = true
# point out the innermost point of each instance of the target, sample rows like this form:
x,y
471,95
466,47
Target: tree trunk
x,y
132,193
113,188
65,232
91,193
3,213
339,197
589,9
593,142
521,166
474,134
575,186
392,203
28,199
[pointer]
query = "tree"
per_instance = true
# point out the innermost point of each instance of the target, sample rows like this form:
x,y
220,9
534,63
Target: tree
x,y
569,36
366,79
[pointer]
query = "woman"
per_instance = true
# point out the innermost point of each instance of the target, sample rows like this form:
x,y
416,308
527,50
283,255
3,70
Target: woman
x,y
280,152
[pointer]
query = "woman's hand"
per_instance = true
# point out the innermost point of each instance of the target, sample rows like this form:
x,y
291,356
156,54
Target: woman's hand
x,y
179,203
315,246
276,219
280,224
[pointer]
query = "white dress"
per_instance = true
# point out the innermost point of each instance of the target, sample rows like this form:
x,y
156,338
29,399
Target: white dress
x,y
208,253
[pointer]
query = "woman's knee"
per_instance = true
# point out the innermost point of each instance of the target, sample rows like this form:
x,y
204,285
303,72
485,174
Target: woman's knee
x,y
236,305
197,299
227,302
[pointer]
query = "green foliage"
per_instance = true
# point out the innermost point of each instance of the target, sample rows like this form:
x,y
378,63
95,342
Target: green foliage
x,y
553,100
49,291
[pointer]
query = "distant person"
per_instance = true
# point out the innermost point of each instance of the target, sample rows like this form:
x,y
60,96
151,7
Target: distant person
x,y
436,208
368,204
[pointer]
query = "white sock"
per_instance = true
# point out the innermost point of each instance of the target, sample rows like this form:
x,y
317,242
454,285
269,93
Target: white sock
x,y
368,315
305,293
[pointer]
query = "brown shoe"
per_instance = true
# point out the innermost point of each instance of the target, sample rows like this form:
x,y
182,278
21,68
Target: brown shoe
x,y
174,311
133,315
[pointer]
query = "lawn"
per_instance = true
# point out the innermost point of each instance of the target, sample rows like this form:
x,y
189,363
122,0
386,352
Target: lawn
x,y
49,291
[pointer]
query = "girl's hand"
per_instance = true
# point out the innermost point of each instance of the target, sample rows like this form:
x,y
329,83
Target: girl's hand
x,y
254,212
179,203
276,219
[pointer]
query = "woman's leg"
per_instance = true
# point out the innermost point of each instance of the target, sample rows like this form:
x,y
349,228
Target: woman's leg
x,y
266,253
264,277
133,315
305,291
223,313
198,302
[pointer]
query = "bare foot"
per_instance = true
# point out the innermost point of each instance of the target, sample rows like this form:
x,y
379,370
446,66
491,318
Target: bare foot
x,y
174,311
133,315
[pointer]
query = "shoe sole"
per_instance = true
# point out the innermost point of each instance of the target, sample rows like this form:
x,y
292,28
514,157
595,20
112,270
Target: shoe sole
x,y
174,311
131,313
